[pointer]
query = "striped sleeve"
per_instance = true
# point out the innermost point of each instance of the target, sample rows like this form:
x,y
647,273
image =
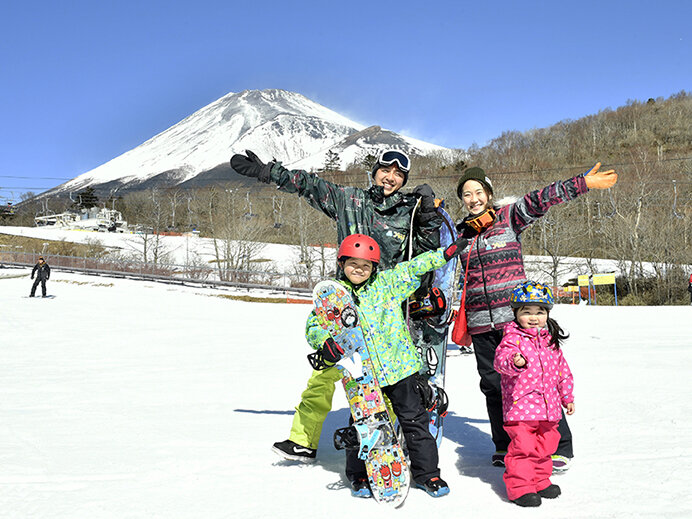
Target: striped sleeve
x,y
536,204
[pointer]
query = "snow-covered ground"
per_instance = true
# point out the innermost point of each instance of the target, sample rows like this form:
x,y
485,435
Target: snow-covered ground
x,y
130,399
184,250
179,250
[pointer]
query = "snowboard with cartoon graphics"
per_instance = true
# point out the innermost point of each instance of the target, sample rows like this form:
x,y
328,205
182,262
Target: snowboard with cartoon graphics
x,y
429,326
372,432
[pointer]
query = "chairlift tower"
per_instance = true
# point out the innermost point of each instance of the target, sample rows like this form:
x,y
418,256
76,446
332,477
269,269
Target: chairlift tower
x,y
277,205
675,202
248,207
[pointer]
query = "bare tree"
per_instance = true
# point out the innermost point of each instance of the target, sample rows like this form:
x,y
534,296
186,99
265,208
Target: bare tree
x,y
236,237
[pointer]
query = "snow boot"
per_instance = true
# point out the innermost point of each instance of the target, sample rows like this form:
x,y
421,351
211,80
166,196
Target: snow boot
x,y
550,492
527,500
498,459
560,463
290,450
361,488
435,487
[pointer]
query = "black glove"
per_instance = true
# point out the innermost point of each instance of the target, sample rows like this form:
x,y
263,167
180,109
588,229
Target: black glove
x,y
251,166
427,197
455,248
329,354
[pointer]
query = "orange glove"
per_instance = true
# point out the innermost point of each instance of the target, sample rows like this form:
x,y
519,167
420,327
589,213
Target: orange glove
x,y
600,179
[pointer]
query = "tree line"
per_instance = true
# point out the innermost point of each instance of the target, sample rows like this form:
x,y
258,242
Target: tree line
x,y
644,223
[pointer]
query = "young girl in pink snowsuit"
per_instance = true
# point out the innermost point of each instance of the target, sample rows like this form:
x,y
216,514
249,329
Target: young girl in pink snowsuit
x,y
536,382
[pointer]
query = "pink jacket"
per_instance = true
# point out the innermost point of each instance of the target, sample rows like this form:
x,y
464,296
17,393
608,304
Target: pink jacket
x,y
535,391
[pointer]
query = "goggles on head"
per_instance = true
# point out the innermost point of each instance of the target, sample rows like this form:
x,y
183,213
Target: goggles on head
x,y
481,221
389,157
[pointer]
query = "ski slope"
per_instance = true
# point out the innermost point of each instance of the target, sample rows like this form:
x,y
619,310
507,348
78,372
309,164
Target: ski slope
x,y
180,250
130,399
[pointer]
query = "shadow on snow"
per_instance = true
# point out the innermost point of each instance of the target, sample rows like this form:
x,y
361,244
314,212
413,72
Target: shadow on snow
x,y
474,448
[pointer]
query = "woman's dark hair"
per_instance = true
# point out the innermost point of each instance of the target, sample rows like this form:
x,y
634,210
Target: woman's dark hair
x,y
556,332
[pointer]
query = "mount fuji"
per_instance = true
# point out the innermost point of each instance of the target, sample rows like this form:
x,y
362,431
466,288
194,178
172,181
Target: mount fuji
x,y
275,124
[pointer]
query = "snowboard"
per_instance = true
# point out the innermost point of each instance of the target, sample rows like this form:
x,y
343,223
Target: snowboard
x,y
372,433
430,334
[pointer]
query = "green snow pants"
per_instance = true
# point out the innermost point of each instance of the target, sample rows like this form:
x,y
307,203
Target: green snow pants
x,y
315,404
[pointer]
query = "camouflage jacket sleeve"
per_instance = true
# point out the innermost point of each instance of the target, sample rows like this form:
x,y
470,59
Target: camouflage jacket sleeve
x,y
319,193
535,204
314,333
402,280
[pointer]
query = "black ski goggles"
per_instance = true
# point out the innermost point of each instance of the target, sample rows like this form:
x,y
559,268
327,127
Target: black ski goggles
x,y
387,158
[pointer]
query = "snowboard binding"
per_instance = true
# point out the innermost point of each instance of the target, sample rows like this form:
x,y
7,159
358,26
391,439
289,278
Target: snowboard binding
x,y
365,436
432,304
434,397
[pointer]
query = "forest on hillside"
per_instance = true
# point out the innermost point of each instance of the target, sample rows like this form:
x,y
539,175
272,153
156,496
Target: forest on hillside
x,y
645,218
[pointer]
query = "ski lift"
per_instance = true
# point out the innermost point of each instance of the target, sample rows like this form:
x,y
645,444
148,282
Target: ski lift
x,y
597,205
276,208
7,209
248,205
612,204
675,202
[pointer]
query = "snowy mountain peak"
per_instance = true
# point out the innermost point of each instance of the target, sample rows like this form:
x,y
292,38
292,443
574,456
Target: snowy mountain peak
x,y
274,123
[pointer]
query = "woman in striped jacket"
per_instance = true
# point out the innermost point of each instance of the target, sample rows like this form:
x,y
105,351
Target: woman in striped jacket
x,y
496,267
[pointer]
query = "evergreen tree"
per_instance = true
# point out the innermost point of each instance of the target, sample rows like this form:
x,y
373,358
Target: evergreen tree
x,y
86,199
368,161
332,162
459,167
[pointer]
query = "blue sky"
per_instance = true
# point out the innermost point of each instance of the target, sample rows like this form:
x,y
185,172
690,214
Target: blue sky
x,y
81,82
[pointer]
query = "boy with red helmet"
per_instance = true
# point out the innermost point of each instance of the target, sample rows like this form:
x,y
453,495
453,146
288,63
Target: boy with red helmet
x,y
378,296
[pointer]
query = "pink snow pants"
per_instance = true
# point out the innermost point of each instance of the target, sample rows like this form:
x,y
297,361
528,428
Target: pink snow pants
x,y
528,462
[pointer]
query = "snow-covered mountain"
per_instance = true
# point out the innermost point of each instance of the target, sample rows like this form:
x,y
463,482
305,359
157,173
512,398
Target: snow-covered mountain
x,y
277,124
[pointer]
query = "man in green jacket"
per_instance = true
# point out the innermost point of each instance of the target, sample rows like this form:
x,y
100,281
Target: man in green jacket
x,y
382,212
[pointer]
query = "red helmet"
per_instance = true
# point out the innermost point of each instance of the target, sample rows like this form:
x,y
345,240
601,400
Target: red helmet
x,y
359,246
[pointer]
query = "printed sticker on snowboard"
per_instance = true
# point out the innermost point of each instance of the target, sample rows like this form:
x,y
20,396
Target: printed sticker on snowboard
x,y
372,432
